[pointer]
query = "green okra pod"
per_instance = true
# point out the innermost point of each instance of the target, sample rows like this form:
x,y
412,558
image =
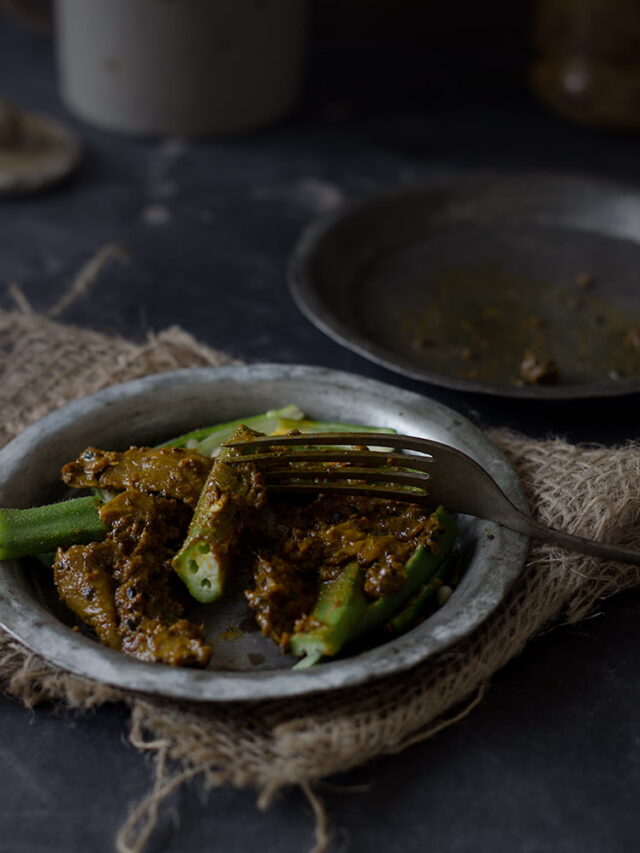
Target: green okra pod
x,y
203,561
417,606
208,440
323,637
27,532
341,604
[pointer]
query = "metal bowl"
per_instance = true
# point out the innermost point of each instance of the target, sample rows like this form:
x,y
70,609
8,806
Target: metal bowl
x,y
245,665
458,281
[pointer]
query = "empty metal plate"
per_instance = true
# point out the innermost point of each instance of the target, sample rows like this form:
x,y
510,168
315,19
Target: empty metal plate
x,y
245,665
517,285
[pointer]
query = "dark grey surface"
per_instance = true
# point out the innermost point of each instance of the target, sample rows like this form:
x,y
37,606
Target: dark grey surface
x,y
550,761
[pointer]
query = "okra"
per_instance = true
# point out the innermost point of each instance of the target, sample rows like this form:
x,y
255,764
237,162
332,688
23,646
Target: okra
x,y
26,532
208,440
341,604
203,561
355,617
417,606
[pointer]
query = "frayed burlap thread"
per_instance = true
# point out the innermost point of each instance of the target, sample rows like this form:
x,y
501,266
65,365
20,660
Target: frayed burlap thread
x,y
267,746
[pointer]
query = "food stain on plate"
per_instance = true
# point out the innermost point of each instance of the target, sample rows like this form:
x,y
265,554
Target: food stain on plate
x,y
230,634
487,323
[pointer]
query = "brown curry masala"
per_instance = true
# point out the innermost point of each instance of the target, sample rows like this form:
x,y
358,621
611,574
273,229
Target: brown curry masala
x,y
125,589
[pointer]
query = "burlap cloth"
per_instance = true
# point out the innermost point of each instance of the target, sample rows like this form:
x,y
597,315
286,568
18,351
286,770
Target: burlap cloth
x,y
587,490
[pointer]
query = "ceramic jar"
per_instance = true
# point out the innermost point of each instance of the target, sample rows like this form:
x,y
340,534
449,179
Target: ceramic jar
x,y
187,67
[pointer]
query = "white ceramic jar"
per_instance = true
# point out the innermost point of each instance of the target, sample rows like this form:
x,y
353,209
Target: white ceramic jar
x,y
187,67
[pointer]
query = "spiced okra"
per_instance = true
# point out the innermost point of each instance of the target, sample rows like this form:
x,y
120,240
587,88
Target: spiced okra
x,y
325,571
344,614
229,495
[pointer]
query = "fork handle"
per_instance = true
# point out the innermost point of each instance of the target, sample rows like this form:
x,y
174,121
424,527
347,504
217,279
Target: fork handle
x,y
524,524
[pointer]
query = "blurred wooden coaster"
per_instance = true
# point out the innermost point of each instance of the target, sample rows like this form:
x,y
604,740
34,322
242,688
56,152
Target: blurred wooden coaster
x,y
35,151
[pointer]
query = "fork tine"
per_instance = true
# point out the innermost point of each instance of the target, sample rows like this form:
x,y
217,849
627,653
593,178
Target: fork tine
x,y
323,475
366,439
349,489
406,484
372,458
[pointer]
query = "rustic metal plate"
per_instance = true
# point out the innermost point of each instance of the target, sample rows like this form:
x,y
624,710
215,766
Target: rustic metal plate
x,y
245,665
455,282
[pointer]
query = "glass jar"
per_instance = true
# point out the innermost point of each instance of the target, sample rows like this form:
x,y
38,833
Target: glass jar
x,y
587,63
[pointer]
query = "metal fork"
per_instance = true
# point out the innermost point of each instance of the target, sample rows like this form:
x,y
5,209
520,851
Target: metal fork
x,y
438,475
